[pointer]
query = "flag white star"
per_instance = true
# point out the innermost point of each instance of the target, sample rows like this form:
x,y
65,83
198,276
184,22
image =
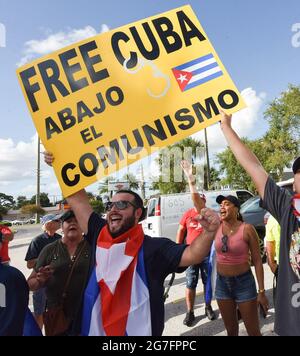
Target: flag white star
x,y
111,263
182,78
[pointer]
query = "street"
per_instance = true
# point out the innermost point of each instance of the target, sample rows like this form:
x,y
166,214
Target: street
x,y
175,307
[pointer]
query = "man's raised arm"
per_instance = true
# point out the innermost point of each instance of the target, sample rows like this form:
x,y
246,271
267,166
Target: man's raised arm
x,y
244,155
79,202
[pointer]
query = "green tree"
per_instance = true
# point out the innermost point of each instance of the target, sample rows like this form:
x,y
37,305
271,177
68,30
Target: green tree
x,y
133,183
281,142
103,185
32,209
214,178
172,179
6,201
98,206
44,200
21,201
235,175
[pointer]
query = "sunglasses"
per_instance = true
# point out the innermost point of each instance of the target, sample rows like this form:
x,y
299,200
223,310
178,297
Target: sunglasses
x,y
225,245
120,205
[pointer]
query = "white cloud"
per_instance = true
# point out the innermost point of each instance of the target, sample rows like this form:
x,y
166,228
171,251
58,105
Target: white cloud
x,y
55,41
245,122
18,172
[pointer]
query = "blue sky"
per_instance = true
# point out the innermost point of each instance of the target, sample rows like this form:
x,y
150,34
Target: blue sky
x,y
253,39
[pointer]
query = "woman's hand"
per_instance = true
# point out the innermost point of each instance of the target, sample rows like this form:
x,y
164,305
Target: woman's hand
x,y
187,168
263,302
44,274
225,120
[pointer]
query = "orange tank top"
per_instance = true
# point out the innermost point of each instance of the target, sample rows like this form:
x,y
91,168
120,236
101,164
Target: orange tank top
x,y
237,248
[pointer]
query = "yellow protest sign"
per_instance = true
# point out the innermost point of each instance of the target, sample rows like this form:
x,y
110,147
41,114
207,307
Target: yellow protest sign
x,y
107,101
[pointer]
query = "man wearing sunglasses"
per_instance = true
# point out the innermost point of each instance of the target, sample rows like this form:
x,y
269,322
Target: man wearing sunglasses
x,y
124,295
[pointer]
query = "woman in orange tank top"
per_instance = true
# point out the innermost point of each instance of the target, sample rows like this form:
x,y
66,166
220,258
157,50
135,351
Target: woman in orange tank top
x,y
235,287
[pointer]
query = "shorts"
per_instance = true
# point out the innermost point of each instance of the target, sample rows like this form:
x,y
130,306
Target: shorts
x,y
192,274
240,288
39,301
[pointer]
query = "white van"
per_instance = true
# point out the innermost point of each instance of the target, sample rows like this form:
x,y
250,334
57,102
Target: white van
x,y
164,212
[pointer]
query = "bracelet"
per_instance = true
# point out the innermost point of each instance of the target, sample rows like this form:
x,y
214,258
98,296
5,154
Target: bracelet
x,y
261,291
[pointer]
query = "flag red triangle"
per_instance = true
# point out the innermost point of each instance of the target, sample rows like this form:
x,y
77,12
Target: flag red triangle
x,y
183,78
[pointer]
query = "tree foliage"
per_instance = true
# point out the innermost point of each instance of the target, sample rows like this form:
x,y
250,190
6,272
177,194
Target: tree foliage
x,y
281,142
6,201
21,201
171,179
32,209
276,149
133,183
44,200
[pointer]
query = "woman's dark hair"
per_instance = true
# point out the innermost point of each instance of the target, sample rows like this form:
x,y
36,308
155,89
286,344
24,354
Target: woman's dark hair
x,y
138,202
239,217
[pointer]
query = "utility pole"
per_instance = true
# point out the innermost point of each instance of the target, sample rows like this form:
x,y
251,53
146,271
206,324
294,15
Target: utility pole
x,y
143,188
207,159
38,182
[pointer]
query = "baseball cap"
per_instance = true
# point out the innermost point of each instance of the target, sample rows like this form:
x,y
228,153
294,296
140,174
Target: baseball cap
x,y
67,215
50,217
234,200
296,165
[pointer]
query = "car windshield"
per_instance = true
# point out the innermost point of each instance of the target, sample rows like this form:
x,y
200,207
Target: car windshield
x,y
250,204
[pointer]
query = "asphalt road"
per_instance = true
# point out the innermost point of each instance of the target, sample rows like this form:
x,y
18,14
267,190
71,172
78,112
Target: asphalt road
x,y
175,307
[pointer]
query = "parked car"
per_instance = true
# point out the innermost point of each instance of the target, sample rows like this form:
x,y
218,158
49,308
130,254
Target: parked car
x,y
29,221
17,222
165,211
254,214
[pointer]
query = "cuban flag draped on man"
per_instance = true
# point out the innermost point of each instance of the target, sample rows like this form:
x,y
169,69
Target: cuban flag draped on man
x,y
116,300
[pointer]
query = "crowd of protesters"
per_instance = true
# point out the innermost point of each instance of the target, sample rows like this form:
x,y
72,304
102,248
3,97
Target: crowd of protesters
x,y
105,277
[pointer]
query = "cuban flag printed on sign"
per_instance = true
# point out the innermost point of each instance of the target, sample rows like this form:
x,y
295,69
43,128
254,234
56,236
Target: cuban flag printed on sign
x,y
197,72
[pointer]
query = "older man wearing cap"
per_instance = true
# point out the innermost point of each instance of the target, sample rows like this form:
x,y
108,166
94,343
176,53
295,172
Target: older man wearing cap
x,y
285,208
50,224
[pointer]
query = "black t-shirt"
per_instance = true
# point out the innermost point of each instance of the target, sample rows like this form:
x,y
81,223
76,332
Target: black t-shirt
x,y
278,201
162,257
38,243
14,296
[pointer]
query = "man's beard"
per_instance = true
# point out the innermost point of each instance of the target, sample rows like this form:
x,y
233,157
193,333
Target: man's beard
x,y
127,225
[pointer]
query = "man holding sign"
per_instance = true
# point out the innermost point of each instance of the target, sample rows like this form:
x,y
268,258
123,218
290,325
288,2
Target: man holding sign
x,y
125,293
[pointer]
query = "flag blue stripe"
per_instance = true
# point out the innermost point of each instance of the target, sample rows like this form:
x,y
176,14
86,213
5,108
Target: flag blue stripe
x,y
195,61
90,296
140,268
209,288
204,80
31,327
204,69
